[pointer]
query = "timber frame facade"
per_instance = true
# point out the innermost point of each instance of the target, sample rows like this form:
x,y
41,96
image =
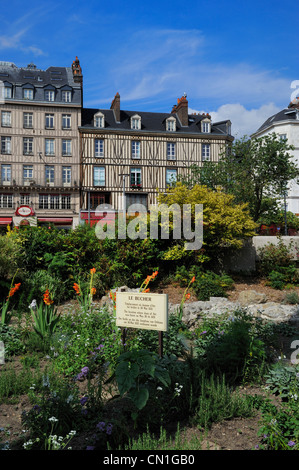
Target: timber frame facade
x,y
133,153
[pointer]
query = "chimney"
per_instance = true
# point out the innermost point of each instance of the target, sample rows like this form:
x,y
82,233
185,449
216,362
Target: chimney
x,y
77,71
115,105
181,109
294,103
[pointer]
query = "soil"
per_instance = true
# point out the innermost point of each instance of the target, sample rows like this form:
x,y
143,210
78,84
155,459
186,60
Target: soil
x,y
233,434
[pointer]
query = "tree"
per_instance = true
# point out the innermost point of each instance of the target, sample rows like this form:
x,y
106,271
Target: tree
x,y
256,171
225,224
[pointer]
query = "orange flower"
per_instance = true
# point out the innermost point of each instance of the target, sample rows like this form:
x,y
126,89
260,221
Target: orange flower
x,y
187,297
47,298
77,288
192,280
13,290
146,290
155,274
93,290
93,270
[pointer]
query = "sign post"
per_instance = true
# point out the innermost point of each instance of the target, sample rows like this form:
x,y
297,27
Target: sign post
x,y
143,311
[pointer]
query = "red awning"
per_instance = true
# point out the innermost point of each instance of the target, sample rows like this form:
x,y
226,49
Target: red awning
x,y
56,220
5,220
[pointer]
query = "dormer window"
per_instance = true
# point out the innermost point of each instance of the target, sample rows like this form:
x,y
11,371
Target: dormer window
x,y
135,122
6,90
206,126
99,120
28,93
171,125
50,93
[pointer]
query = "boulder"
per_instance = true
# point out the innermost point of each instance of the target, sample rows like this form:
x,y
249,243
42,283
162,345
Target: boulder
x,y
249,297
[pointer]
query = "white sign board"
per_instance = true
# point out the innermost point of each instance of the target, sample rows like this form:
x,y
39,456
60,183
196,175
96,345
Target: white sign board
x,y
142,310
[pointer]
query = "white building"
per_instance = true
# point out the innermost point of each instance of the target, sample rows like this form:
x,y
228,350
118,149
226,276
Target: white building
x,y
286,125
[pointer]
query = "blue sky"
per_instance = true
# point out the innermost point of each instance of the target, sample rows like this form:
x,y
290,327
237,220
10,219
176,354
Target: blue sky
x,y
236,60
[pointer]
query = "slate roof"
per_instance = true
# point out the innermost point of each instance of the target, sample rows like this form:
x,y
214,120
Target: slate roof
x,y
287,114
150,122
57,76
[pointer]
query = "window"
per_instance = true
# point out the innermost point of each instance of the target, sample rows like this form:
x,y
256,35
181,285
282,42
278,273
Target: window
x,y
98,176
49,174
66,121
99,120
25,199
66,96
283,137
49,147
135,122
205,152
49,121
135,149
6,201
6,174
66,175
49,95
28,145
135,177
7,91
28,120
171,125
171,154
6,145
171,177
96,200
66,147
205,126
99,148
54,201
27,173
6,119
28,94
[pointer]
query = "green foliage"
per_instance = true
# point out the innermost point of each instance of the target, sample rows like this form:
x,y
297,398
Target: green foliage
x,y
45,320
274,256
134,371
284,275
283,380
12,340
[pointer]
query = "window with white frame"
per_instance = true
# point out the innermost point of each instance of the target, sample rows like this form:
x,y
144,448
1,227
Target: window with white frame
x,y
6,201
171,125
66,175
28,93
28,120
99,148
28,146
98,176
7,91
49,147
66,147
6,174
24,199
49,121
205,126
171,176
136,122
205,152
99,120
171,151
6,118
54,201
135,177
66,96
6,145
49,173
66,121
135,149
27,173
49,95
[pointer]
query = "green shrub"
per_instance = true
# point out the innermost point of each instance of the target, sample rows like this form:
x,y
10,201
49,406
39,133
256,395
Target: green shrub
x,y
210,284
274,256
282,276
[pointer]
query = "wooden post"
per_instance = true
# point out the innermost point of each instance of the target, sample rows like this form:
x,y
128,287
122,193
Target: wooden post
x,y
161,343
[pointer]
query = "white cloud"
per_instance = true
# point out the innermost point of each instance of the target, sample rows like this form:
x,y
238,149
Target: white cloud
x,y
244,121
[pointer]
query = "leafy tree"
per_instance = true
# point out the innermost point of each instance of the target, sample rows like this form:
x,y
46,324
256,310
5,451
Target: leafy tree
x,y
256,171
225,223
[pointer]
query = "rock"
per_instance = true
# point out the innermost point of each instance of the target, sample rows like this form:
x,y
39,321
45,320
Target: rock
x,y
248,297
